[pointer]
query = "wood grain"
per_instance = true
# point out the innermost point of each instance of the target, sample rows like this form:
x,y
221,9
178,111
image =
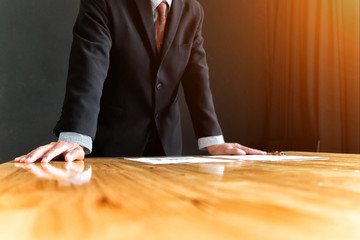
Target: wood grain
x,y
110,198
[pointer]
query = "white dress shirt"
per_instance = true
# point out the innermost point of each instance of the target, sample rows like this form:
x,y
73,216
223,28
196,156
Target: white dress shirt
x,y
86,141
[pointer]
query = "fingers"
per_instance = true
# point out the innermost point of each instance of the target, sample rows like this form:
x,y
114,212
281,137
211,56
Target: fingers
x,y
233,149
35,154
63,148
58,149
254,151
250,151
46,153
225,149
19,158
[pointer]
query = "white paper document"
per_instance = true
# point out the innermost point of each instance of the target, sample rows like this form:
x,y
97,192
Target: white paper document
x,y
222,159
177,160
267,158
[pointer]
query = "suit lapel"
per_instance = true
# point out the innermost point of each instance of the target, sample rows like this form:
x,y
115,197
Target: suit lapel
x,y
172,24
146,15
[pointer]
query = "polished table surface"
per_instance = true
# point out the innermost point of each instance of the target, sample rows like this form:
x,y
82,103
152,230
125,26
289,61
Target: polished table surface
x,y
111,198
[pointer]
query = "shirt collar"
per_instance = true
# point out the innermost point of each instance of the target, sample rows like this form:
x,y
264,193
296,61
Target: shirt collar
x,y
155,3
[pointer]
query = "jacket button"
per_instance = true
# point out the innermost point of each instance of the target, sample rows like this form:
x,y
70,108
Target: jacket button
x,y
159,86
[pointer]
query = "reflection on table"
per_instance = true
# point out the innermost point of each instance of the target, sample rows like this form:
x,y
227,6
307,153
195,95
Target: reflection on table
x,y
110,198
66,173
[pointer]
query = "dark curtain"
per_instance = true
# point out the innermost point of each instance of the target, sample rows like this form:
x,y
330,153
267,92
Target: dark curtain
x,y
312,69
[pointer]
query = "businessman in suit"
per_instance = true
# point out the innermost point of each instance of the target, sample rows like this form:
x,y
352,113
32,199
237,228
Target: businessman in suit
x,y
127,60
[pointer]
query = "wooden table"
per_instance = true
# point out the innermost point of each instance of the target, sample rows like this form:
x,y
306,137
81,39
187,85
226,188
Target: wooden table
x,y
111,198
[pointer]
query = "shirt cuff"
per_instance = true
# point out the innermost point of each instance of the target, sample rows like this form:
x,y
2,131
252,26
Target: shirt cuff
x,y
82,140
209,141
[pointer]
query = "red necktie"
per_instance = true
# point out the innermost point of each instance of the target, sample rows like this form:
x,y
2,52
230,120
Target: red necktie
x,y
160,25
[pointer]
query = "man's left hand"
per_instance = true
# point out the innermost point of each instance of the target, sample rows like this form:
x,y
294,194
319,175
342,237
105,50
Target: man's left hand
x,y
233,149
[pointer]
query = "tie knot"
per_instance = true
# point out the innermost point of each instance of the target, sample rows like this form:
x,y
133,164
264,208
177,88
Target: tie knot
x,y
162,9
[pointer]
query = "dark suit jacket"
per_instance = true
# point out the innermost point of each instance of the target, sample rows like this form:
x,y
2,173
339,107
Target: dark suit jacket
x,y
118,87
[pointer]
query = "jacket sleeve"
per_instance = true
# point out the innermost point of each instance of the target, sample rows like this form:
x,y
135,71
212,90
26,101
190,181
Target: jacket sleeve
x,y
88,67
196,87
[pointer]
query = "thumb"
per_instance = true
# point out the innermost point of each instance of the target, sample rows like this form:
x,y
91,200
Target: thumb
x,y
76,154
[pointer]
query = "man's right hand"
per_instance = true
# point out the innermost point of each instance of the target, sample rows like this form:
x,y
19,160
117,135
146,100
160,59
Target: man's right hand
x,y
70,152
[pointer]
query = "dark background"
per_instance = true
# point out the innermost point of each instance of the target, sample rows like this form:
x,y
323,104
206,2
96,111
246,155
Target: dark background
x,y
35,39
